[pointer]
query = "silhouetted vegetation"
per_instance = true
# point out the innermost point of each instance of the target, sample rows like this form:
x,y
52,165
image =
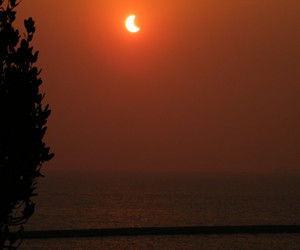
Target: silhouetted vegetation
x,y
23,125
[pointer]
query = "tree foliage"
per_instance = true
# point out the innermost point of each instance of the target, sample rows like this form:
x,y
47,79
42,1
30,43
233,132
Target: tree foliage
x,y
23,124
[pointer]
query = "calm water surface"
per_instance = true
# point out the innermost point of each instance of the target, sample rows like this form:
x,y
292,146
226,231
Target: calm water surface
x,y
75,200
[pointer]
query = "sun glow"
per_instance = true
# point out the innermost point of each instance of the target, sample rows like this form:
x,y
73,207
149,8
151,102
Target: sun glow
x,y
130,25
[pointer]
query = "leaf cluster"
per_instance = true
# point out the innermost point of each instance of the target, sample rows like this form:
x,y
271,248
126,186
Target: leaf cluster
x,y
23,121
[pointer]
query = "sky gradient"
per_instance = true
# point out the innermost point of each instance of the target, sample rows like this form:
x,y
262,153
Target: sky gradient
x,y
206,85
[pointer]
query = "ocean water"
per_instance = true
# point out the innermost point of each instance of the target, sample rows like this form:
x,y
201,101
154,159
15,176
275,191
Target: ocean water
x,y
79,200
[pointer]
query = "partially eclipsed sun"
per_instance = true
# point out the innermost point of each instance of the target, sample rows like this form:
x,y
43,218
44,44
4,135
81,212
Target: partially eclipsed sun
x,y
129,23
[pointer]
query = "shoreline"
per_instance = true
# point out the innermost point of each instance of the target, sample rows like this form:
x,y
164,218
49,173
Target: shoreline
x,y
142,231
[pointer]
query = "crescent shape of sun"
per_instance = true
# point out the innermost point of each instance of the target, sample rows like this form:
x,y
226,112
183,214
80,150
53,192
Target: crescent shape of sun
x,y
129,23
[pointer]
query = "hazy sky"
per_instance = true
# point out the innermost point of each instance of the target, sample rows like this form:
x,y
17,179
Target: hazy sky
x,y
208,85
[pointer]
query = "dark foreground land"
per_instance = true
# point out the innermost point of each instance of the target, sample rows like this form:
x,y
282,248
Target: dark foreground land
x,y
205,230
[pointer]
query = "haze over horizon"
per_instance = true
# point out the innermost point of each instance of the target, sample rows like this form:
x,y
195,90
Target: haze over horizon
x,y
205,85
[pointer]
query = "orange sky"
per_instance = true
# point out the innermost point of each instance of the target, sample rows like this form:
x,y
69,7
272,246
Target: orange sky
x,y
208,85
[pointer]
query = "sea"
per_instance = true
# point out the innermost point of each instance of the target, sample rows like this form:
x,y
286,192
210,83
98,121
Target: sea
x,y
90,199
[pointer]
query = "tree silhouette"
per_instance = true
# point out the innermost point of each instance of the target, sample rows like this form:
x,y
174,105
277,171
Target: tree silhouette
x,y
23,120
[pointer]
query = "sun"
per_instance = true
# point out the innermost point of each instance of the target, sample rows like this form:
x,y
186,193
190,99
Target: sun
x,y
130,25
